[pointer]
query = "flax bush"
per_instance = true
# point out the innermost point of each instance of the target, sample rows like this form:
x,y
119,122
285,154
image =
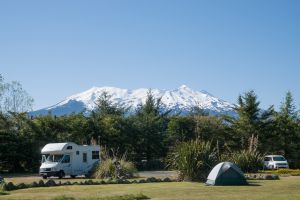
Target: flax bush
x,y
249,161
112,166
193,159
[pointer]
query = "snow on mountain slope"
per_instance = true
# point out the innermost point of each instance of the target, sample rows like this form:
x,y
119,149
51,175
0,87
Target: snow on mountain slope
x,y
180,100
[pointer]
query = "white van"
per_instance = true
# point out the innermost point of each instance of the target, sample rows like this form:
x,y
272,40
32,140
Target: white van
x,y
275,162
68,159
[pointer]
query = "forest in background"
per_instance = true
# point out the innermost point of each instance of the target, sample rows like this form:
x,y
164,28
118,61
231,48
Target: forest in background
x,y
147,136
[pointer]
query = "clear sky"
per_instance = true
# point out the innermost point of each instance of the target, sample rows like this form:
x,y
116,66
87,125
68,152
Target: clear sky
x,y
58,48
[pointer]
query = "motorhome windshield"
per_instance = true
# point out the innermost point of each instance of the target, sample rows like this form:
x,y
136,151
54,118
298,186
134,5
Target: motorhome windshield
x,y
279,158
54,158
44,158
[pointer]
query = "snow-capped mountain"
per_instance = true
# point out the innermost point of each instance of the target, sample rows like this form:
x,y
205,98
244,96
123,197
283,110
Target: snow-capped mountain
x,y
180,100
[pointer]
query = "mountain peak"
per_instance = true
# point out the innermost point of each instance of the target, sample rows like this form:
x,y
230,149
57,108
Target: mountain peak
x,y
184,87
180,100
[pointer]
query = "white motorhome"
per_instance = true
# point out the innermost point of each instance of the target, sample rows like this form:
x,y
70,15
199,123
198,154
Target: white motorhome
x,y
68,159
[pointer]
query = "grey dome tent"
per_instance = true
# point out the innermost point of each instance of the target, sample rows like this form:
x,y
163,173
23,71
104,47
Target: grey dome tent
x,y
226,173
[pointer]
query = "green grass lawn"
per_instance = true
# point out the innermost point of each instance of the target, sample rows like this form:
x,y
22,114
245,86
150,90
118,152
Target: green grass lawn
x,y
287,188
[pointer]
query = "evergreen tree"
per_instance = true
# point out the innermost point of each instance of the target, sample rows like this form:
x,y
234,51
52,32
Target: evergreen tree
x,y
287,131
251,120
150,124
104,106
17,149
181,128
107,124
211,129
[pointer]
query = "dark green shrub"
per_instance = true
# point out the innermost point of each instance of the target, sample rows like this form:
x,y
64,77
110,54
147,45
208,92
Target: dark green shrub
x,y
111,181
142,181
122,181
167,180
159,180
89,182
193,159
41,183
151,180
50,183
21,186
34,184
67,183
127,197
124,197
8,186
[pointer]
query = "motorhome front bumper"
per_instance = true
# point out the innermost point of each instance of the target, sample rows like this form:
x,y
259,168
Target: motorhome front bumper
x,y
48,174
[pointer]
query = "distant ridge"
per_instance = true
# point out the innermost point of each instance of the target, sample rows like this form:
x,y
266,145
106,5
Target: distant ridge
x,y
180,100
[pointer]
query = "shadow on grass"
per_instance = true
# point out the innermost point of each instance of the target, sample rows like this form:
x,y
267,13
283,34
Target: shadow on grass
x,y
3,193
249,184
253,184
125,197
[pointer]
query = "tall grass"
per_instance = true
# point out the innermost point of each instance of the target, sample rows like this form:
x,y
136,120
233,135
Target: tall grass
x,y
112,166
193,159
248,160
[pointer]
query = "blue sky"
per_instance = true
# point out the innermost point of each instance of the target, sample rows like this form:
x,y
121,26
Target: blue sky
x,y
58,48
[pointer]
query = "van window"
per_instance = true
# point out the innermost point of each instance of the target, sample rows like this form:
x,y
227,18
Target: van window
x,y
69,147
66,159
268,159
279,158
84,157
95,155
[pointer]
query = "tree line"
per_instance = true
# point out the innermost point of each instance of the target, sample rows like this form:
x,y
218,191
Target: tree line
x,y
147,135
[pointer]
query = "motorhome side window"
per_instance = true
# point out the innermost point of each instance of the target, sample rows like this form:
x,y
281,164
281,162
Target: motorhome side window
x,y
66,159
69,147
84,157
95,155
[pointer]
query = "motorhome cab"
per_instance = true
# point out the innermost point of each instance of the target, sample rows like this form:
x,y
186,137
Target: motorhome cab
x,y
275,162
68,159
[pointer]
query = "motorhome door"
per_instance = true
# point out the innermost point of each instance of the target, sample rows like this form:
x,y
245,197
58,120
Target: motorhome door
x,y
84,162
67,164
